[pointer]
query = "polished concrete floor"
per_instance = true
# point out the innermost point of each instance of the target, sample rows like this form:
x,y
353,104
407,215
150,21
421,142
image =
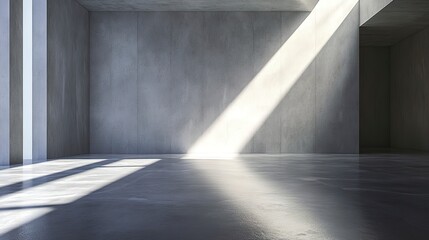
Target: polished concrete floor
x,y
251,197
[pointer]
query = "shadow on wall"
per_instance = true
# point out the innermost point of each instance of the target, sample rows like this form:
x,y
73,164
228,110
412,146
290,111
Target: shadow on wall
x,y
68,79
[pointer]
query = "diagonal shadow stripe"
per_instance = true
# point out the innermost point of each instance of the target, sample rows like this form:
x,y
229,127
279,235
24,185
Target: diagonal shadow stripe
x,y
30,207
9,189
64,190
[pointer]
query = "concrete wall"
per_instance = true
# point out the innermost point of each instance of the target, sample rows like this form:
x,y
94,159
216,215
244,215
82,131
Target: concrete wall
x,y
410,93
198,5
16,76
160,79
337,87
40,38
4,82
374,97
11,82
368,8
68,79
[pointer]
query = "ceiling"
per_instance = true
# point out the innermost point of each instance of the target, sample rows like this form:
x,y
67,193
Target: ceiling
x,y
395,22
198,5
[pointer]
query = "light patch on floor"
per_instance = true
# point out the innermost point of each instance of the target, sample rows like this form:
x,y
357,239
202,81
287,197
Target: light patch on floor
x,y
29,203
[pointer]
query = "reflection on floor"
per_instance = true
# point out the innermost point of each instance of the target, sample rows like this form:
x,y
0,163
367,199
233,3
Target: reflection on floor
x,y
250,197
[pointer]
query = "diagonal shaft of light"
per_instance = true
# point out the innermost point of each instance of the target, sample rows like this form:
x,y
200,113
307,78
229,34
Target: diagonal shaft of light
x,y
233,129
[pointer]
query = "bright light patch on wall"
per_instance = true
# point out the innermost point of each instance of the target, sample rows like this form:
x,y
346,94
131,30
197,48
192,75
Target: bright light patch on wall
x,y
27,79
31,203
233,129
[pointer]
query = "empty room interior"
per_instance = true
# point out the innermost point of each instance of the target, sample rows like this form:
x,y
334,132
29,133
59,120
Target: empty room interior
x,y
214,119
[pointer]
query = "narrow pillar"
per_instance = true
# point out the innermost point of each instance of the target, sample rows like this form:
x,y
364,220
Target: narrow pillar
x,y
40,79
16,75
4,82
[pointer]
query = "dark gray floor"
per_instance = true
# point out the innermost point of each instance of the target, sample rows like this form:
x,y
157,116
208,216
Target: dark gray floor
x,y
253,197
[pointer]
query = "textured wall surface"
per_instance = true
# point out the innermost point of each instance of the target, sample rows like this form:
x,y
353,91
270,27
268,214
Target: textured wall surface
x,y
40,39
337,88
374,97
198,5
4,82
68,79
160,79
16,76
410,93
368,8
11,75
393,23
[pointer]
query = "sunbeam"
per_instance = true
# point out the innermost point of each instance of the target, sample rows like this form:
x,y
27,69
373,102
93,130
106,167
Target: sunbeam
x,y
233,129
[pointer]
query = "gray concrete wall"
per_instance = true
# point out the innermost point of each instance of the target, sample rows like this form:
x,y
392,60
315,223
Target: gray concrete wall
x,y
15,87
40,38
11,63
68,79
368,8
198,5
410,93
4,81
374,97
337,88
160,79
